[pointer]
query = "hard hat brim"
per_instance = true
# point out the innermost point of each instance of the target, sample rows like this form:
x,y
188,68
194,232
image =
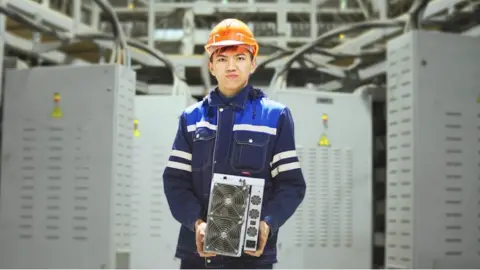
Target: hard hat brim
x,y
226,43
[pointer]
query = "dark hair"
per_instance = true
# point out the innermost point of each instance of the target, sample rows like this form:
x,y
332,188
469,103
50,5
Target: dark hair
x,y
228,48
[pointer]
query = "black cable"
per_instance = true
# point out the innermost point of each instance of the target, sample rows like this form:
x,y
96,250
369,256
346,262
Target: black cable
x,y
270,45
116,26
363,54
282,51
136,44
416,13
273,57
322,51
334,32
415,16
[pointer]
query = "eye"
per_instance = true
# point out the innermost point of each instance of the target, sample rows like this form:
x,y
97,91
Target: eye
x,y
241,58
221,60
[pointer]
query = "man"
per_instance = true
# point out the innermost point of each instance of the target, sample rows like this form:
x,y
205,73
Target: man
x,y
235,130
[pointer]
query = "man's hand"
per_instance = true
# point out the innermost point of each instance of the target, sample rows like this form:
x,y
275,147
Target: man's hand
x,y
200,227
262,240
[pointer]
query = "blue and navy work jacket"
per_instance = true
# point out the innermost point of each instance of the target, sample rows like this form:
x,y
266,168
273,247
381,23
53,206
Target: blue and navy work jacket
x,y
246,135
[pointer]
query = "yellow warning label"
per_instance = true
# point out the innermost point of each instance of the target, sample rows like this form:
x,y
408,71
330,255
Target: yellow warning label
x,y
136,132
324,141
57,111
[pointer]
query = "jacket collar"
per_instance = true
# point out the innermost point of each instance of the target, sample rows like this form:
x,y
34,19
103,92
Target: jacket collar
x,y
215,99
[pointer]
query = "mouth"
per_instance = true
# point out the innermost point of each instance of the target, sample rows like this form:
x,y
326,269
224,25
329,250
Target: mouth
x,y
232,76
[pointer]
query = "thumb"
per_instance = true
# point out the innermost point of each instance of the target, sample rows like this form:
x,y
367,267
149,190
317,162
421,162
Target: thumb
x,y
201,228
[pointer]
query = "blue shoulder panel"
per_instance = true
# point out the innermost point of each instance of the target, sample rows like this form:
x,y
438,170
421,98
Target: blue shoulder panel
x,y
259,116
197,115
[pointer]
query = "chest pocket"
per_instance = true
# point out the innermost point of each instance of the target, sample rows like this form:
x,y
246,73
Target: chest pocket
x,y
249,151
203,142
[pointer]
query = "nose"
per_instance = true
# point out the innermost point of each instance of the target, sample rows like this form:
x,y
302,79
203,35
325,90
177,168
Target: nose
x,y
231,65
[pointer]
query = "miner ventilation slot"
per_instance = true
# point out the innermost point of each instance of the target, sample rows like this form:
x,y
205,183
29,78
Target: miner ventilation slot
x,y
253,217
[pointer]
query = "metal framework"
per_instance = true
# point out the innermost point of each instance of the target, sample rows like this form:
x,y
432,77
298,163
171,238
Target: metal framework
x,y
278,21
85,17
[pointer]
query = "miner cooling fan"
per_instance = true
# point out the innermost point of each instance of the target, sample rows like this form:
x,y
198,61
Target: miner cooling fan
x,y
228,200
233,214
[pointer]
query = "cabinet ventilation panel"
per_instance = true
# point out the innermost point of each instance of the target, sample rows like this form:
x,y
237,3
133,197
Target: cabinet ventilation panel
x,y
433,155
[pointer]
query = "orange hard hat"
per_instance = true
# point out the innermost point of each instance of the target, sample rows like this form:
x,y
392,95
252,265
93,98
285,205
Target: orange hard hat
x,y
231,32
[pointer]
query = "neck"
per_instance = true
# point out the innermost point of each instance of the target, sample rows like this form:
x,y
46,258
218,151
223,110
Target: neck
x,y
230,92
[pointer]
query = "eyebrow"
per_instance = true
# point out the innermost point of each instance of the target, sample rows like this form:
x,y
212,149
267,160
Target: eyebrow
x,y
238,54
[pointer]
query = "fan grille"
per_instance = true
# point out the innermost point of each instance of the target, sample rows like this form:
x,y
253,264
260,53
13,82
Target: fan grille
x,y
256,200
228,201
254,213
223,235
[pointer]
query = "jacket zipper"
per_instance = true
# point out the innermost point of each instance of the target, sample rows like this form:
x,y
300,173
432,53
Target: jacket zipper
x,y
215,145
207,261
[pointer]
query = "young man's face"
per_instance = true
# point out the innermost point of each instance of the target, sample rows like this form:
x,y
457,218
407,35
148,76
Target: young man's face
x,y
232,67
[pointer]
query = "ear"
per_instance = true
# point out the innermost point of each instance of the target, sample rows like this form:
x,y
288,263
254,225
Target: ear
x,y
210,68
254,66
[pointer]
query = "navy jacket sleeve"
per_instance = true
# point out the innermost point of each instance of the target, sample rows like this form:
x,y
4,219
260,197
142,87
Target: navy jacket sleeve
x,y
287,177
177,180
